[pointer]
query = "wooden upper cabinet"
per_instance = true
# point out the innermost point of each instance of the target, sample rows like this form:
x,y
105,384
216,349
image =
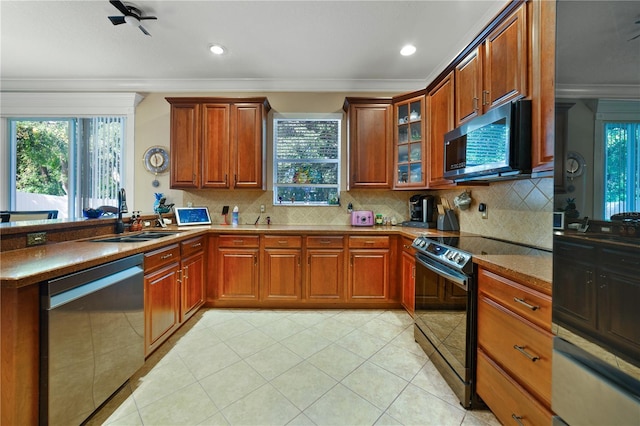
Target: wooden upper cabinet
x,y
468,89
505,61
440,120
218,142
369,142
248,139
409,142
216,146
185,145
496,71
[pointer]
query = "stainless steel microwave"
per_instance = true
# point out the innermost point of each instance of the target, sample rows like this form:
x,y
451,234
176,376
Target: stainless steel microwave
x,y
494,145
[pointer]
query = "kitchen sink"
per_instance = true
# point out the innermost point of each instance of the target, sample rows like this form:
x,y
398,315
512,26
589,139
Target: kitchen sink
x,y
136,238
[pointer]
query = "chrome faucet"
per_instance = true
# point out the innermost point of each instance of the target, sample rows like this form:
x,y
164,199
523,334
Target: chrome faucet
x,y
122,208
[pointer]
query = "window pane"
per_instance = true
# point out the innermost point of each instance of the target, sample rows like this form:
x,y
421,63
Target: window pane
x,y
307,173
42,165
622,168
67,164
306,161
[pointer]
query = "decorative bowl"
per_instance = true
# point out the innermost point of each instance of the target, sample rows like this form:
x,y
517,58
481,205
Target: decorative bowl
x,y
92,213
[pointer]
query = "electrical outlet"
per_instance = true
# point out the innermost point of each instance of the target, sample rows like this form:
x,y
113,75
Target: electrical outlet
x,y
262,208
189,204
485,213
482,208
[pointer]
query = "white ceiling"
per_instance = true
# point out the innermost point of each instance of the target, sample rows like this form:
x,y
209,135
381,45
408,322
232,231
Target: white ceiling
x,y
273,45
594,45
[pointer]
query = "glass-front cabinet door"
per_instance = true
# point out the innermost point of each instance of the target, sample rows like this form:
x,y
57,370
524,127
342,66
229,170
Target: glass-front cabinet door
x,y
409,144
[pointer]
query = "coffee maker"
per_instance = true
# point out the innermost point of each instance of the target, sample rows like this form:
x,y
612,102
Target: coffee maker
x,y
421,209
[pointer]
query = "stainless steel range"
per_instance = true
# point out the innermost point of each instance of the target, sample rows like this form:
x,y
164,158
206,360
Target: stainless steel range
x,y
444,321
445,305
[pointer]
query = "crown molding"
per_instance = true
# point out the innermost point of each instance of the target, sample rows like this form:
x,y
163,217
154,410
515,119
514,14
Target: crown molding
x,y
211,85
597,91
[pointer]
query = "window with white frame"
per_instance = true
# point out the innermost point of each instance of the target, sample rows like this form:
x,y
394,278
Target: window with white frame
x,y
66,164
306,160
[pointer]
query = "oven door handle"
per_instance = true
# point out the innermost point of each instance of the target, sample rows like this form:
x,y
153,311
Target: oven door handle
x,y
460,279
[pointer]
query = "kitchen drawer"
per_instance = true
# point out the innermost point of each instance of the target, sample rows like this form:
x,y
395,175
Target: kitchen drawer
x,y
239,241
283,241
192,245
518,346
529,303
585,252
379,241
508,400
333,241
161,256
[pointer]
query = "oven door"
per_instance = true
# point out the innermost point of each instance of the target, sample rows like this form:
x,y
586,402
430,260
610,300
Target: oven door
x,y
441,308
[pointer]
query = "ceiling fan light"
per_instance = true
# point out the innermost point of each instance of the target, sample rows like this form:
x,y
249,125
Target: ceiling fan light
x,y
132,20
408,50
216,49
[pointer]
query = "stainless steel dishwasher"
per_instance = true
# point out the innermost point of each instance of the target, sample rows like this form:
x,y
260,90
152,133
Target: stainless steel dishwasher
x,y
92,338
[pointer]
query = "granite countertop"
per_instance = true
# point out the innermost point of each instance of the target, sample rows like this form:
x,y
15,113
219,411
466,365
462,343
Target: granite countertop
x,y
32,265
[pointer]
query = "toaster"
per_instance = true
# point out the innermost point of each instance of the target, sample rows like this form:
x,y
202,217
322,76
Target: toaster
x,y
362,218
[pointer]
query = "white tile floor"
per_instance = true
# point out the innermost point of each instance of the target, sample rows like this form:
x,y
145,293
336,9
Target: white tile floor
x,y
290,367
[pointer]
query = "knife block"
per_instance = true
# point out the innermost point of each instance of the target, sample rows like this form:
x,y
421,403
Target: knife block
x,y
448,221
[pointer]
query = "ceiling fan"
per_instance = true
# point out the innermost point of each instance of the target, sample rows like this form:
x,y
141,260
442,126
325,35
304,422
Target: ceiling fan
x,y
131,15
637,35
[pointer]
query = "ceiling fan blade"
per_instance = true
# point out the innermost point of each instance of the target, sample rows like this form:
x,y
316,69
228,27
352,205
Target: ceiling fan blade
x,y
633,38
120,6
117,20
147,17
144,31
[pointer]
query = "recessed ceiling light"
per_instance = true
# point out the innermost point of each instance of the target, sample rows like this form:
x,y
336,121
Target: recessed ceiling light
x,y
216,49
408,50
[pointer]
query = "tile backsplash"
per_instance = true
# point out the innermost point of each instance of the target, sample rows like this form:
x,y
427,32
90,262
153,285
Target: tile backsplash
x,y
520,210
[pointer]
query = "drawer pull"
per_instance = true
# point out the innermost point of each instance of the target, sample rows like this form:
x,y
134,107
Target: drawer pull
x,y
196,245
325,241
522,302
522,350
238,242
283,242
166,256
517,419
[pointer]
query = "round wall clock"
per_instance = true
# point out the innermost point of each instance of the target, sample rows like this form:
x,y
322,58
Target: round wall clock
x,y
574,165
156,161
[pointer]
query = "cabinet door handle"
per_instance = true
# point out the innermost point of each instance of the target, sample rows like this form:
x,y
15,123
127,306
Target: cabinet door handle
x,y
225,179
518,419
185,273
255,260
522,350
475,103
179,276
485,95
166,256
522,302
413,272
235,179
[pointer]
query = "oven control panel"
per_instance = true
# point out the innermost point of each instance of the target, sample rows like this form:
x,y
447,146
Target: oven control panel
x,y
443,253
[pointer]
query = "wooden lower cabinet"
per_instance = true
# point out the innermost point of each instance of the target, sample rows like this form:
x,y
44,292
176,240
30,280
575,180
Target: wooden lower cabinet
x,y
193,277
238,267
324,275
408,276
514,349
282,268
161,295
369,259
